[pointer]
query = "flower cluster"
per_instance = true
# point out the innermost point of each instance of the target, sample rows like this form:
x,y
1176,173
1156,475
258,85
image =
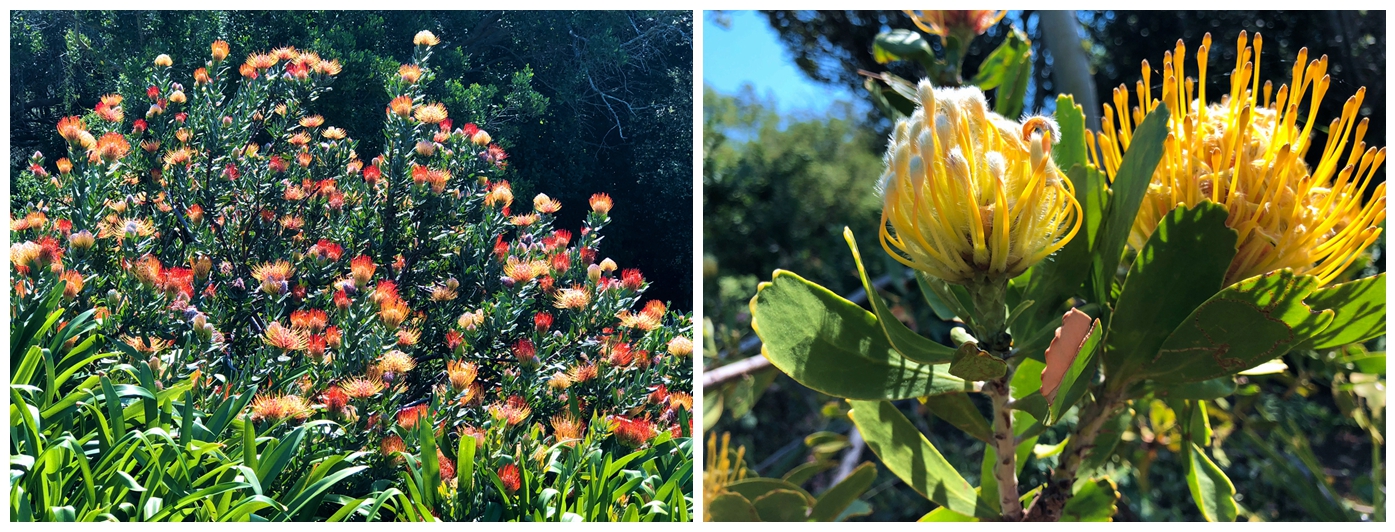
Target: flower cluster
x,y
233,233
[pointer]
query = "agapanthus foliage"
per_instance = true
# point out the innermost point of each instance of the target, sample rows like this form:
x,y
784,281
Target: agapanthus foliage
x,y
400,327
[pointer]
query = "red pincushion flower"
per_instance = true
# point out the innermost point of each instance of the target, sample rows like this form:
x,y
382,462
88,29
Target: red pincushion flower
x,y
525,351
509,476
631,279
632,432
334,399
542,321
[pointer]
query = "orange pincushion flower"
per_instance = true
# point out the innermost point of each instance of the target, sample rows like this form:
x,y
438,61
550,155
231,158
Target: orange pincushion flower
x,y
262,61
392,445
393,312
313,320
71,128
461,374
274,276
408,417
559,381
163,60
582,373
64,165
361,387
512,412
574,298
545,205
408,337
396,362
425,38
431,113
285,339
642,321
566,427
501,195
112,147
280,407
680,400
74,286
362,268
312,121
524,271
524,220
220,50
401,106
601,203
334,133
447,466
409,73
148,345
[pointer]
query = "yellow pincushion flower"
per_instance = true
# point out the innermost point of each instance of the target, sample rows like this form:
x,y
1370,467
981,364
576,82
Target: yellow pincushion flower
x,y
1247,153
971,196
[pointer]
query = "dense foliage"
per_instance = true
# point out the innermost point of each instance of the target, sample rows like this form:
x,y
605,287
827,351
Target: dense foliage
x,y
582,100
222,312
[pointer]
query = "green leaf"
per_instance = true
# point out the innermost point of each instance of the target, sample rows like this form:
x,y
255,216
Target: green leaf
x,y
1250,322
944,515
1093,501
1360,312
1069,150
1211,489
974,364
840,497
959,410
430,465
905,452
896,45
1008,98
782,506
731,507
1105,443
1183,264
1135,172
831,345
1001,64
904,340
754,488
1200,390
805,471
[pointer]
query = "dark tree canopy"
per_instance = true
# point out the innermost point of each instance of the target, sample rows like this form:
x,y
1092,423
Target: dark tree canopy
x,y
831,46
584,101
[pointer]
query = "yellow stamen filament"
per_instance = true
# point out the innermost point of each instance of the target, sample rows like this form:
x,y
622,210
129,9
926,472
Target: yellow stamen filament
x,y
1247,152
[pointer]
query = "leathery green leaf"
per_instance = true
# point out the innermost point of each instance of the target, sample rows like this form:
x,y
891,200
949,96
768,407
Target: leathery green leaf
x,y
1183,264
906,452
1251,322
831,345
959,410
904,340
838,498
1093,501
1211,489
1135,172
1360,312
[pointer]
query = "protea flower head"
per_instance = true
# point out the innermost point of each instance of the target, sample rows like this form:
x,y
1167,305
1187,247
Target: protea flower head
x,y
971,196
1246,152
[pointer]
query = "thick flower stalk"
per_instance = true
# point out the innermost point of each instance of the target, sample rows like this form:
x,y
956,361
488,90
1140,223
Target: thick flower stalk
x,y
970,196
1247,152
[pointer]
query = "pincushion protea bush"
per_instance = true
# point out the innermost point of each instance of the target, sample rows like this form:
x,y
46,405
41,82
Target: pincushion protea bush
x,y
281,330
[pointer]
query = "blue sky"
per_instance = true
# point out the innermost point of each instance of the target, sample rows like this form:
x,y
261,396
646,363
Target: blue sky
x,y
750,52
